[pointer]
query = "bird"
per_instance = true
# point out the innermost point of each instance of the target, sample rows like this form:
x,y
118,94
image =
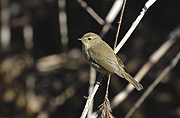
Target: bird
x,y
102,58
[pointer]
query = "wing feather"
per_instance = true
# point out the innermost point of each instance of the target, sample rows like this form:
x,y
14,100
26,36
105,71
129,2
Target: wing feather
x,y
105,57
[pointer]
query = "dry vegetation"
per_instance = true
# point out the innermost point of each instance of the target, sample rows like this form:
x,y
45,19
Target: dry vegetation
x,y
44,75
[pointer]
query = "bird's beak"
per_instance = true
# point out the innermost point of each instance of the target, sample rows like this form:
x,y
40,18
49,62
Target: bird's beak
x,y
79,39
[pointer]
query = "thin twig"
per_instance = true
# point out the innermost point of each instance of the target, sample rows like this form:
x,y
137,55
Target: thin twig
x,y
134,25
105,109
120,20
154,84
115,42
107,88
156,56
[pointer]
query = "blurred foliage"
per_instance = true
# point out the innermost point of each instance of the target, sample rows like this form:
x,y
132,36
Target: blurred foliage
x,y
46,82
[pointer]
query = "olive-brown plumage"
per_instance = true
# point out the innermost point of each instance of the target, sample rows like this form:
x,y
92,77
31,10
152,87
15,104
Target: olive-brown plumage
x,y
102,58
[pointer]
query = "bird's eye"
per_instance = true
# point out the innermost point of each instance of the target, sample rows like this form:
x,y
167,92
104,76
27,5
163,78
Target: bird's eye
x,y
89,38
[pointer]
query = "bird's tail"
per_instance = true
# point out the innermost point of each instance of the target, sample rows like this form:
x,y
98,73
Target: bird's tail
x,y
130,79
136,84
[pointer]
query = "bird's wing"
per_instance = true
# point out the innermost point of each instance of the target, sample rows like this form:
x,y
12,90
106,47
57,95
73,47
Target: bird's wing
x,y
120,62
106,58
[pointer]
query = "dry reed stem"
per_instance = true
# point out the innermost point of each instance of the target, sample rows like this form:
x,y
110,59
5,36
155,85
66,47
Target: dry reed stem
x,y
134,25
153,85
63,24
156,56
5,31
92,80
91,12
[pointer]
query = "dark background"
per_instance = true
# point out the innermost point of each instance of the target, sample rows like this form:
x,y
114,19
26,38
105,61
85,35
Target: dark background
x,y
56,91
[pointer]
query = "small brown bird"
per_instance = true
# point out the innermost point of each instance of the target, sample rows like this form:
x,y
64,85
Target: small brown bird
x,y
101,57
